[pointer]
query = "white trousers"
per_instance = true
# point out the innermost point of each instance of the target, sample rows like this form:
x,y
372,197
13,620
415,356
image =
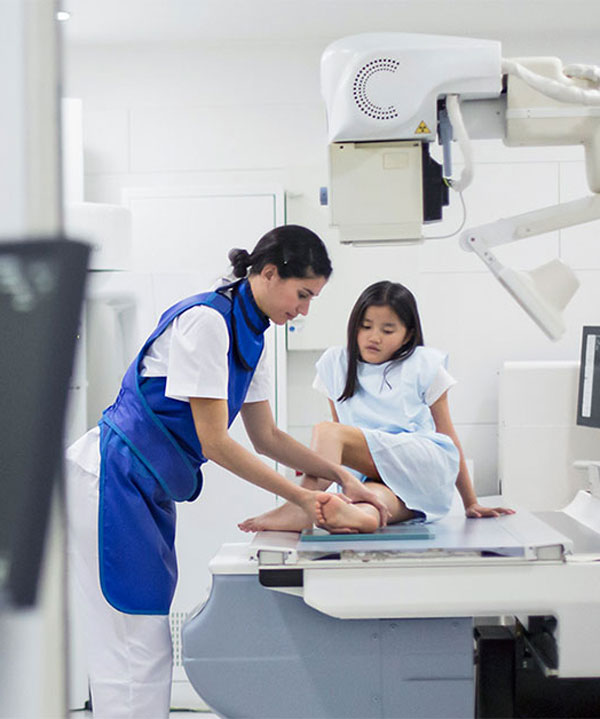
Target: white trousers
x,y
130,660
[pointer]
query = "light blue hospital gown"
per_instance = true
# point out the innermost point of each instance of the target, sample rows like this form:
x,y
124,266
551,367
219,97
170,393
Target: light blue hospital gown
x,y
391,407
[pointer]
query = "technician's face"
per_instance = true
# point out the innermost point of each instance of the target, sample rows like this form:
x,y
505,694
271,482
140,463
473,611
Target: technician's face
x,y
381,333
284,299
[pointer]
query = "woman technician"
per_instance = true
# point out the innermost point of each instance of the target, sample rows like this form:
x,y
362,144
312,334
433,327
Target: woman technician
x,y
201,366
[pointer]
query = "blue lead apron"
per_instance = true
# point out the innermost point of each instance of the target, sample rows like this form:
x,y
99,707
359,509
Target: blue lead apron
x,y
151,457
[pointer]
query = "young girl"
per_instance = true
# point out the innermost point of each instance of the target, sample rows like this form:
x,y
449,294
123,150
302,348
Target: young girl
x,y
388,395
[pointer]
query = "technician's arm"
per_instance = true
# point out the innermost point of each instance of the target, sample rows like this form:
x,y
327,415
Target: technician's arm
x,y
269,440
440,411
210,419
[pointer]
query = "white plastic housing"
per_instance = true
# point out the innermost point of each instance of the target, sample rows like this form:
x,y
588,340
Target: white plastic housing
x,y
535,119
385,86
375,191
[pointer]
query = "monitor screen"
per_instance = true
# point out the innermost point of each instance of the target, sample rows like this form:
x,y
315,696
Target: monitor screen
x,y
41,291
588,403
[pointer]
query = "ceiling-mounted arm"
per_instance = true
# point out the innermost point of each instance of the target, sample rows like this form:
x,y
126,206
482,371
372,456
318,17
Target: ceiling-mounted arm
x,y
545,109
536,222
545,291
549,104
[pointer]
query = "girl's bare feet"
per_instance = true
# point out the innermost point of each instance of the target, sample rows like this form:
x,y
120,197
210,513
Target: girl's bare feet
x,y
287,518
341,517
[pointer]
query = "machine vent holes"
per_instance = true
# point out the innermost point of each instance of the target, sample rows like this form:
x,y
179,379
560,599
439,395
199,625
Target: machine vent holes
x,y
361,97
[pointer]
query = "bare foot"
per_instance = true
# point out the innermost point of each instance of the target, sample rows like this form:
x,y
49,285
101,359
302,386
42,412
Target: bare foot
x,y
340,517
287,518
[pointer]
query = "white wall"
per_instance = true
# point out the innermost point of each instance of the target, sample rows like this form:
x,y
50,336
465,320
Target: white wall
x,y
248,113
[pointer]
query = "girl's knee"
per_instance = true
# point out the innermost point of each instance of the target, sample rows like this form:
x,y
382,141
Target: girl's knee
x,y
325,429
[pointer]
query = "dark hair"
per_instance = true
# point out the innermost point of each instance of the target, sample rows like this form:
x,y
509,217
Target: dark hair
x,y
296,252
402,301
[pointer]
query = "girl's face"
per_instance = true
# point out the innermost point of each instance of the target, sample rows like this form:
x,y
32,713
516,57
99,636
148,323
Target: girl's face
x,y
380,334
284,299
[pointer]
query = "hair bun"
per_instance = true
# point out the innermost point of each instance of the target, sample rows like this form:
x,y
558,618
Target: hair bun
x,y
240,261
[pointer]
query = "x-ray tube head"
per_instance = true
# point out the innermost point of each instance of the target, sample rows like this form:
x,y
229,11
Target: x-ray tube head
x,y
382,91
386,86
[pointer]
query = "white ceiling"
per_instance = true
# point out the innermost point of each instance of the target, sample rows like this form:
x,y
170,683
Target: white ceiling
x,y
538,22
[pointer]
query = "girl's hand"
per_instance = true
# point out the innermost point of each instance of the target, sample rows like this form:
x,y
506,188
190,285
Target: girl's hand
x,y
477,511
356,491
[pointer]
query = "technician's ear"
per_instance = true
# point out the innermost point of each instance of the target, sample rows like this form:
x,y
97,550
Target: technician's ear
x,y
269,272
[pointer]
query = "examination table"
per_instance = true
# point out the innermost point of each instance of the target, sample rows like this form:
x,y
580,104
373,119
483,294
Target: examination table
x,y
323,626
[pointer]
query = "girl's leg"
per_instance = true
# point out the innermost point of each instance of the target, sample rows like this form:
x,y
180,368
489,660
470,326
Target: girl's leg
x,y
341,444
361,516
289,517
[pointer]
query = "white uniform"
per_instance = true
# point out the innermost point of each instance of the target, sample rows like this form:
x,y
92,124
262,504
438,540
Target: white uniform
x,y
391,408
130,656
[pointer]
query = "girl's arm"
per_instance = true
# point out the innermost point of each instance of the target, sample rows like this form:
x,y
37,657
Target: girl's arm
x,y
440,411
269,440
334,414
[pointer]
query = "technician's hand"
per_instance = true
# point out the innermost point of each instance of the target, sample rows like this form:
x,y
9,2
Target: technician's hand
x,y
477,511
356,491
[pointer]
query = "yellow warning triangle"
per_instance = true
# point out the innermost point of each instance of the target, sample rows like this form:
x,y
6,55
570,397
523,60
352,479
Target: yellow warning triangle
x,y
422,129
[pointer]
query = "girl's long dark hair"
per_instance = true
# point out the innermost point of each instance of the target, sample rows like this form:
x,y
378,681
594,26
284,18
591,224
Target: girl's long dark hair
x,y
296,252
402,301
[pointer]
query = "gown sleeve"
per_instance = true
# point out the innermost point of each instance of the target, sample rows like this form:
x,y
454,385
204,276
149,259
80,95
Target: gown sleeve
x,y
330,372
442,382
